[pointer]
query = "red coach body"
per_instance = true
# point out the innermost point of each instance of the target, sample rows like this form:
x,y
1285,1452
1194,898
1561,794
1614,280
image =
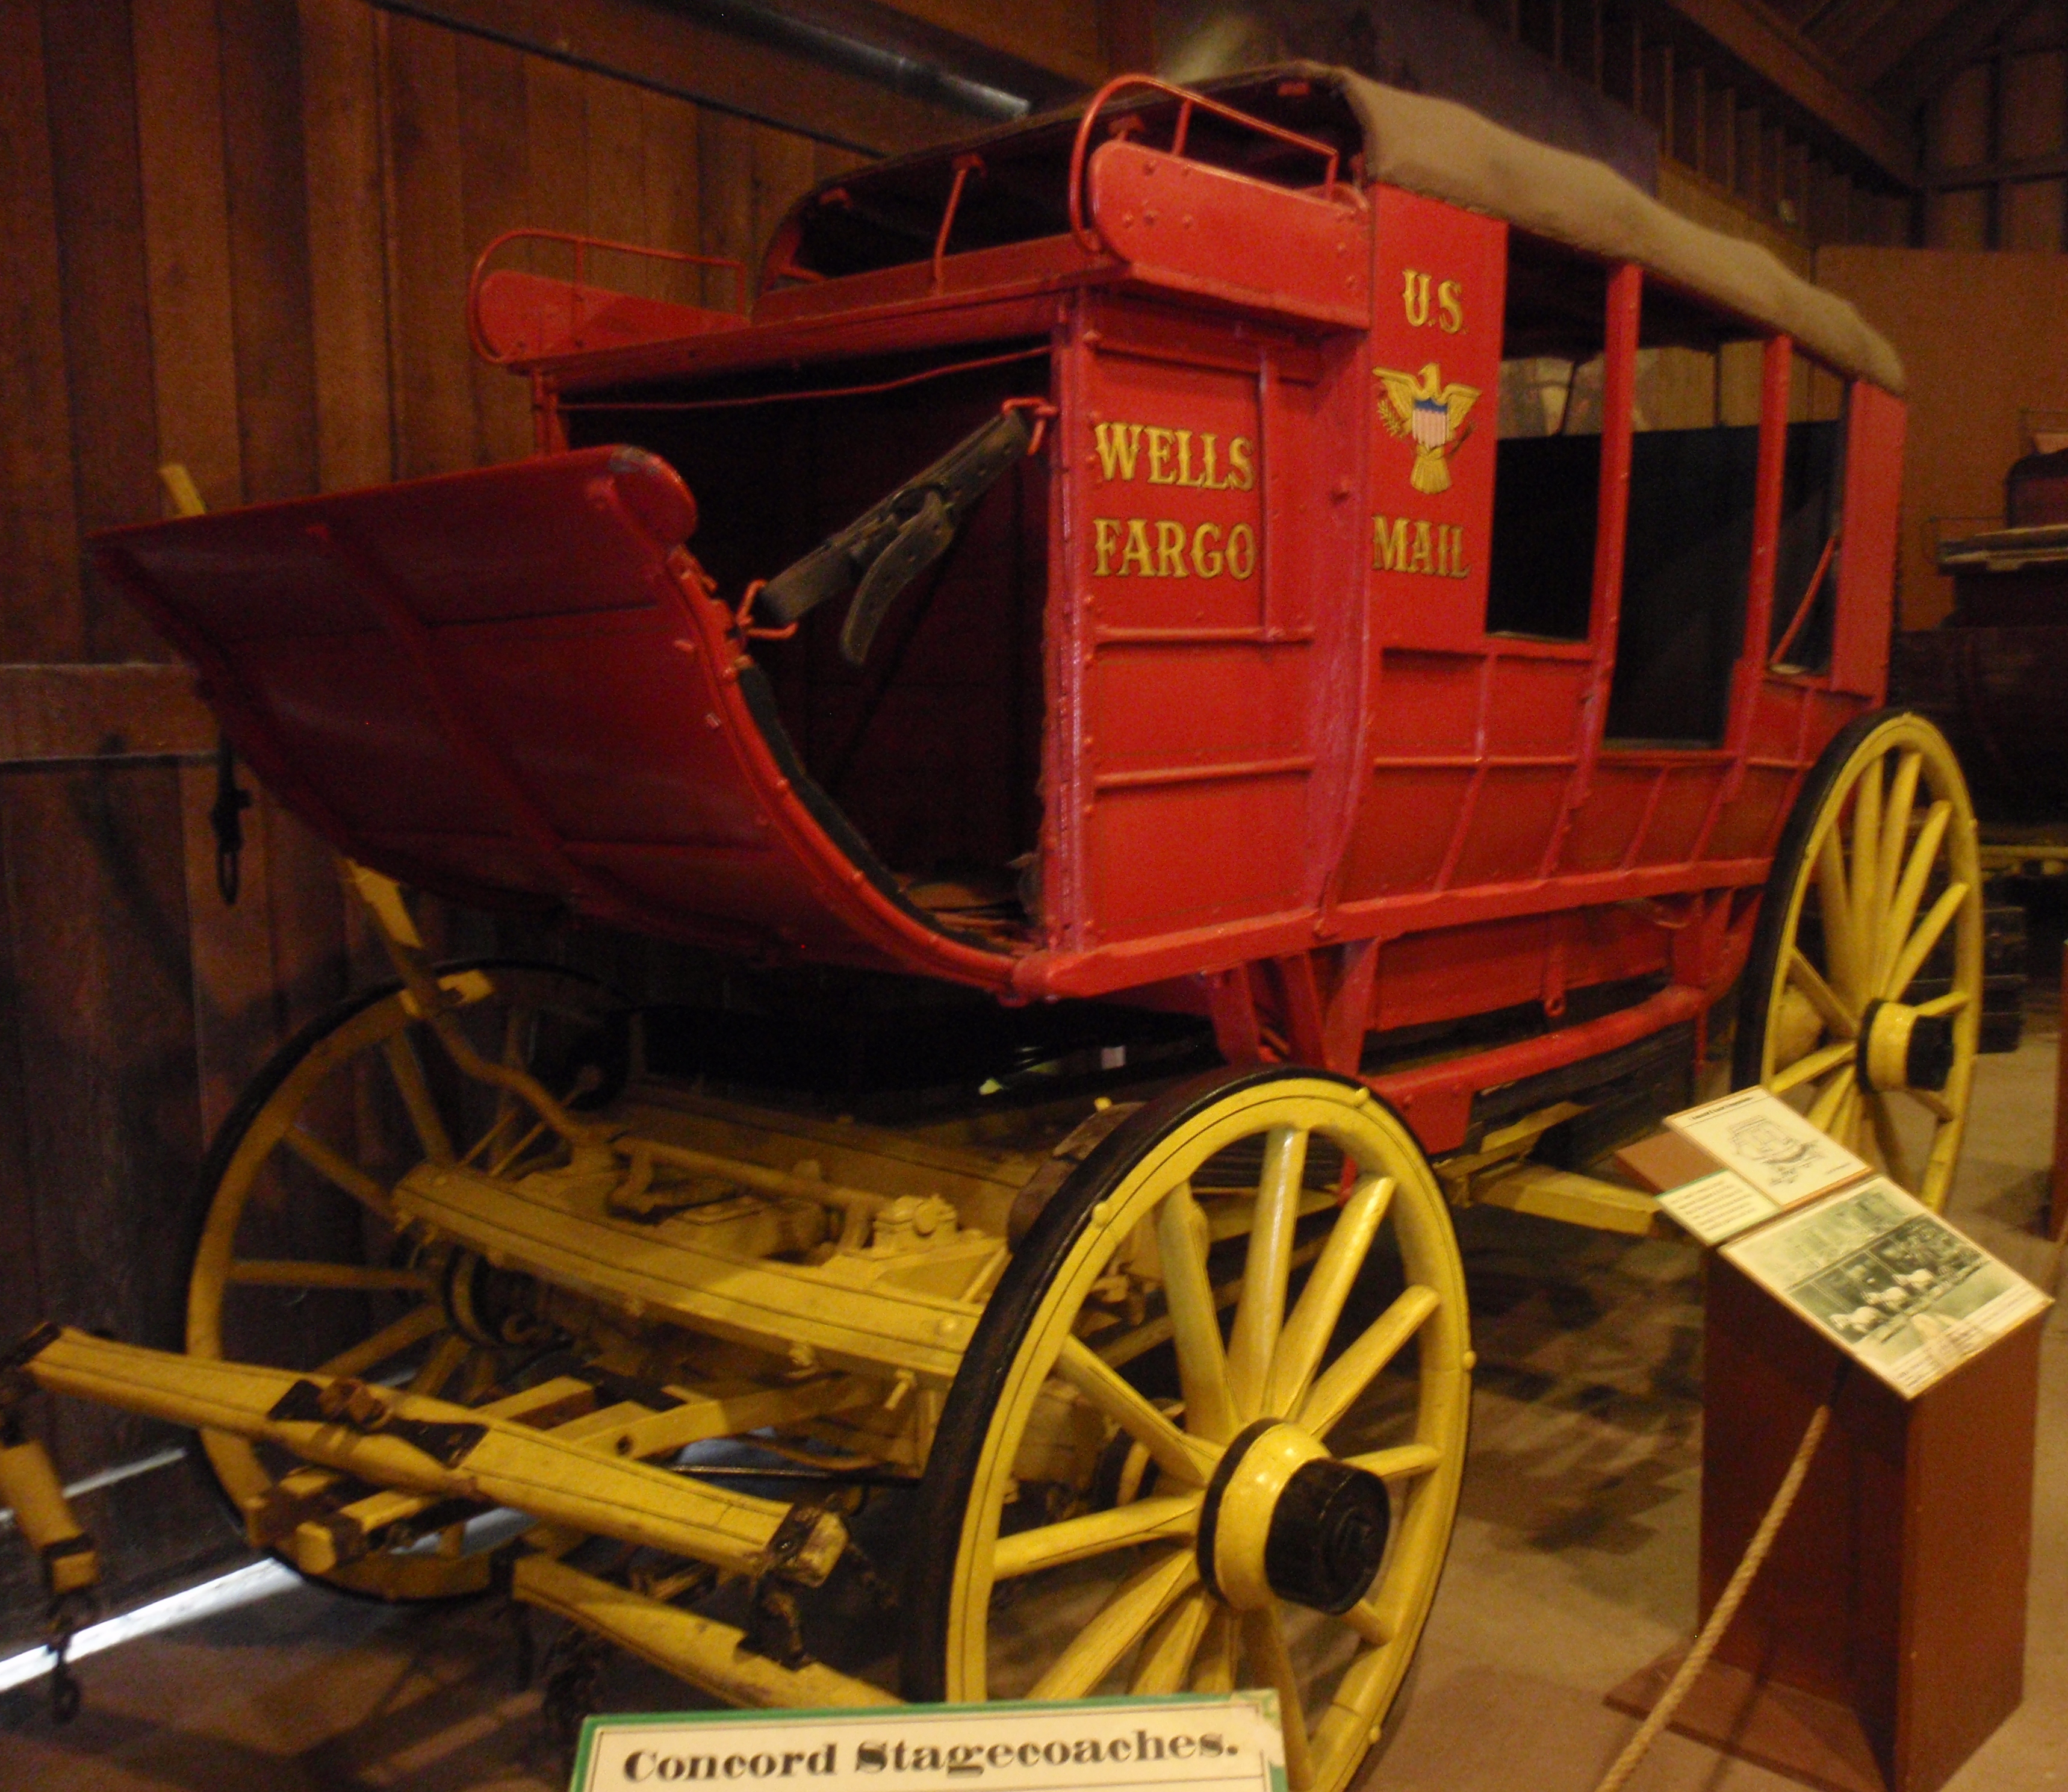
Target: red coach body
x,y
1307,673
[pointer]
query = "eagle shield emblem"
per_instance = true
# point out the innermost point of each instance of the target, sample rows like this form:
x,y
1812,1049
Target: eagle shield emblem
x,y
1420,408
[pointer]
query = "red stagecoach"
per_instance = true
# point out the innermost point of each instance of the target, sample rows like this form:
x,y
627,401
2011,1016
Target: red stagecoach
x,y
1295,558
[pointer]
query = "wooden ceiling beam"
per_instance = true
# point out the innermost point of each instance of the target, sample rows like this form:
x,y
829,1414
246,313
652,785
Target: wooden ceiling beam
x,y
674,53
1787,63
1039,52
1968,30
1868,37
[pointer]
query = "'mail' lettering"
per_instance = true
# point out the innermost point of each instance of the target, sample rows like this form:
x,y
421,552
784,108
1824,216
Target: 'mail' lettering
x,y
1406,544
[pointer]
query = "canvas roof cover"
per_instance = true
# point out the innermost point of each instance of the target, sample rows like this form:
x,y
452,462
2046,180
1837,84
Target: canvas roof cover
x,y
1433,147
1447,152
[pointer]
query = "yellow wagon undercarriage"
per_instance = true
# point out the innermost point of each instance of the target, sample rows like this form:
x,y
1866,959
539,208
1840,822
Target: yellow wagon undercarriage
x,y
1172,1393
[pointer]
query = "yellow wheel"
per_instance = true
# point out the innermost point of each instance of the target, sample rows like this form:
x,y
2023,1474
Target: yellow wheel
x,y
1876,892
1248,1298
299,1265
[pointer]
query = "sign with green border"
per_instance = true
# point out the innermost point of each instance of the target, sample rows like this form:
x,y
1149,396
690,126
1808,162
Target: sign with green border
x,y
1228,1741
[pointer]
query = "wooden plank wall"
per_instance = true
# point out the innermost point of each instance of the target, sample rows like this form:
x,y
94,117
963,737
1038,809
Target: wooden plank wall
x,y
239,236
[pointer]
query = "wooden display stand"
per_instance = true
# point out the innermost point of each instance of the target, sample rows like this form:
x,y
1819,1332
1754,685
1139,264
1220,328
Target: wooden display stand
x,y
1884,1637
2057,1216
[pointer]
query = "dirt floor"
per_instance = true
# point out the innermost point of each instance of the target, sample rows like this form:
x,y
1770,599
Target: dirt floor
x,y
1573,1567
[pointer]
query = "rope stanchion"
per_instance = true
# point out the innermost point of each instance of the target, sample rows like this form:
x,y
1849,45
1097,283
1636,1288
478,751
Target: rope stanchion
x,y
1733,1596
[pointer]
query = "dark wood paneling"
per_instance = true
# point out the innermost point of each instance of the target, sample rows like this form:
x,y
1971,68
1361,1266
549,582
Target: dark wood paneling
x,y
97,910
434,429
783,171
87,51
187,237
725,177
494,168
239,234
348,241
267,193
38,542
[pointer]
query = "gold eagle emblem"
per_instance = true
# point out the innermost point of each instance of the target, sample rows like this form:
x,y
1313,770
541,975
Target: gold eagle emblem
x,y
1420,408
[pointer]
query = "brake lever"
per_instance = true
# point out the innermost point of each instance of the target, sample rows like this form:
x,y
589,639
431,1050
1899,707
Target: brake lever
x,y
884,549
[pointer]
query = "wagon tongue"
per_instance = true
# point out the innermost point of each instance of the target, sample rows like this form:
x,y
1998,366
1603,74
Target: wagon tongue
x,y
890,545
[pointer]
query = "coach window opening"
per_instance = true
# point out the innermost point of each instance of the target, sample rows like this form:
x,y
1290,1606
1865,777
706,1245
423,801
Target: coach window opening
x,y
1696,558
1810,538
1548,456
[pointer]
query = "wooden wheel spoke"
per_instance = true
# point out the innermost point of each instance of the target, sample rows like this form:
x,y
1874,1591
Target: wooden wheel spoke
x,y
1130,1410
292,1273
391,1340
448,1356
1823,1113
1887,1140
1918,946
1806,977
1213,1666
1181,1241
340,1172
1320,1306
1866,857
1166,1657
1845,1126
1263,1640
1261,1311
1895,822
1932,1102
1401,1463
1906,894
1951,1002
1808,1070
1118,1627
408,1071
1377,1620
1095,1533
1337,1390
1835,904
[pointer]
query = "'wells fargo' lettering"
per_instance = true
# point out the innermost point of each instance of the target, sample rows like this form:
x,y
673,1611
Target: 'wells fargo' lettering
x,y
1176,457
1404,544
1158,547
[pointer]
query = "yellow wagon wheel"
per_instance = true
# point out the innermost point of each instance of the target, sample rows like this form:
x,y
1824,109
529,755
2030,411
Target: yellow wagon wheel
x,y
1291,1507
1875,896
299,1262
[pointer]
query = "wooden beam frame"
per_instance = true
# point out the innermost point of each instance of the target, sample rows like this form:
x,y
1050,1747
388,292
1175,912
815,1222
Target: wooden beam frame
x,y
1787,63
1041,53
52,714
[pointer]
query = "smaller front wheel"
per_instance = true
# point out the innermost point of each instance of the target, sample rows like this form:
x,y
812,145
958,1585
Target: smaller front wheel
x,y
301,1262
1209,1431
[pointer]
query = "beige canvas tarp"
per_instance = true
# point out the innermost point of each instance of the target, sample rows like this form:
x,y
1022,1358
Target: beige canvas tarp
x,y
1447,152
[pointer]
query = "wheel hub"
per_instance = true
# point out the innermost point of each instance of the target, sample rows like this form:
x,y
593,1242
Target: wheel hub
x,y
1901,1048
1283,1519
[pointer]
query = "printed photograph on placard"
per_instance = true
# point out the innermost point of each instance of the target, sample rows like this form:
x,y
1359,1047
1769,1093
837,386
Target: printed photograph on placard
x,y
1761,1138
1903,1292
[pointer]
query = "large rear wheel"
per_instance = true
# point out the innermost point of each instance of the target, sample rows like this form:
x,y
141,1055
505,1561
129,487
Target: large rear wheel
x,y
1875,894
1209,1431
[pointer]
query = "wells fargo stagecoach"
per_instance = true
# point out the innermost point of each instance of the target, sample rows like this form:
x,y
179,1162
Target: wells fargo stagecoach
x,y
1291,579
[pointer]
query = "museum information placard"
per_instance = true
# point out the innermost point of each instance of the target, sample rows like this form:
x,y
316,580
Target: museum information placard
x,y
1889,1280
1084,1745
1759,1138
